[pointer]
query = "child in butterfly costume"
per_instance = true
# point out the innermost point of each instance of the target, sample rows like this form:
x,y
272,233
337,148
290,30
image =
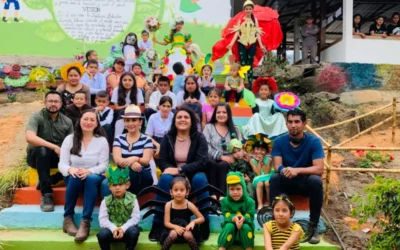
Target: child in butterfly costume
x,y
249,34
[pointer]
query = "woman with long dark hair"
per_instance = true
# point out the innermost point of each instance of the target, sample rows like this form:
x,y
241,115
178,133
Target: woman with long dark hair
x,y
357,19
113,78
219,132
183,152
83,161
393,29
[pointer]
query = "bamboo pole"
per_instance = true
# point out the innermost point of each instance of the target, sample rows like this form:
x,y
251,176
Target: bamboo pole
x,y
365,148
317,135
394,121
328,172
374,170
353,119
364,132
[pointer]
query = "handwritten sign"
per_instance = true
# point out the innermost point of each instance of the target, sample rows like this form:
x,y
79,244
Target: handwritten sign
x,y
94,20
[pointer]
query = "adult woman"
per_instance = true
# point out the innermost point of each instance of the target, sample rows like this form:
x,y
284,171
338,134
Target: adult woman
x,y
393,28
378,28
133,150
83,161
72,74
113,77
357,26
249,34
183,152
219,132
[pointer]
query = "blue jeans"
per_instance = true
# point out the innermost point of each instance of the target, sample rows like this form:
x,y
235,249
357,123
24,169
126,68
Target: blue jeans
x,y
89,187
131,236
138,180
307,185
198,181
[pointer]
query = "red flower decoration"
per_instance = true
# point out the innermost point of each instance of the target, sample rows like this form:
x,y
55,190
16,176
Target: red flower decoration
x,y
372,146
188,61
390,157
188,52
14,75
171,77
270,81
7,70
16,67
360,153
166,61
166,51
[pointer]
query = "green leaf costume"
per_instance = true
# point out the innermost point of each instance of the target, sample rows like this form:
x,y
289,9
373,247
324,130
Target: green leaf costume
x,y
245,207
188,6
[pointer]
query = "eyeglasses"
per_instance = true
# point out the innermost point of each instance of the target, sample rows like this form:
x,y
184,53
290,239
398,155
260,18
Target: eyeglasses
x,y
53,101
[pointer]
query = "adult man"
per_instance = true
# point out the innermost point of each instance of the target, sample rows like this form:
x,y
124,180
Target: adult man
x,y
299,162
309,35
44,134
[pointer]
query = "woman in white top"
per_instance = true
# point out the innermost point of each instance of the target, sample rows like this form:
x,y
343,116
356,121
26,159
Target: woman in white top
x,y
83,161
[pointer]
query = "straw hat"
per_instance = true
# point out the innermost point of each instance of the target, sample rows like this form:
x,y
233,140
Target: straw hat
x,y
132,111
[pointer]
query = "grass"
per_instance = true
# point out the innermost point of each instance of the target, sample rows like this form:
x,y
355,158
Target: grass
x,y
16,177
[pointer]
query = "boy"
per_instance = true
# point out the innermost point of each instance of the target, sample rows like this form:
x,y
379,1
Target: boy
x,y
163,90
238,210
79,104
105,113
145,43
241,165
94,79
119,213
179,81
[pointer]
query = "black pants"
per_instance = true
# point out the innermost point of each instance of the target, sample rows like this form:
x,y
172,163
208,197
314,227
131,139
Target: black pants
x,y
228,94
216,174
307,185
43,159
109,132
131,236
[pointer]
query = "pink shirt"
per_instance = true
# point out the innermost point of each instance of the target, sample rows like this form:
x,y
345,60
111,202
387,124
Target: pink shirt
x,y
208,111
181,151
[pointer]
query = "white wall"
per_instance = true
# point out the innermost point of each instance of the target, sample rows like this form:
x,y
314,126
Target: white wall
x,y
354,50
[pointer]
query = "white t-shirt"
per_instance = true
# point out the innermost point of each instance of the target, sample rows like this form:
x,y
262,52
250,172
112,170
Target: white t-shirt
x,y
129,54
180,100
139,97
145,45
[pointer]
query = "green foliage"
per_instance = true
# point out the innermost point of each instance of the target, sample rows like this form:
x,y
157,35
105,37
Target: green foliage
x,y
43,76
14,178
366,163
374,156
382,202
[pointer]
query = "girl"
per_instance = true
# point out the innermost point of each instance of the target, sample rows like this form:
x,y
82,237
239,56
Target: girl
x,y
378,28
357,26
72,74
179,40
92,55
130,50
264,119
177,215
281,233
234,84
113,78
214,97
205,81
153,85
141,82
393,28
261,165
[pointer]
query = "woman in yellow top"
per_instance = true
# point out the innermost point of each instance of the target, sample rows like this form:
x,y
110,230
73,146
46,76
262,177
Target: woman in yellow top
x,y
281,233
180,42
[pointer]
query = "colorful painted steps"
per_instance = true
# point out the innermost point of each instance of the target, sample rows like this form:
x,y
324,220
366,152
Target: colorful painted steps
x,y
50,240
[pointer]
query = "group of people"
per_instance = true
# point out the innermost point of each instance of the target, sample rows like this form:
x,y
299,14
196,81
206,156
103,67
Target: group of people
x,y
378,28
194,142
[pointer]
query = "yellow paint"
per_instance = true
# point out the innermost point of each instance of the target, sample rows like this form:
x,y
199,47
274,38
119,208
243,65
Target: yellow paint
x,y
229,238
250,235
33,175
227,215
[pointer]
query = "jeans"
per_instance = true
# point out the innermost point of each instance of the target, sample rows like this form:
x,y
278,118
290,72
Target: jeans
x,y
43,159
109,132
89,186
131,236
139,181
198,181
307,185
216,174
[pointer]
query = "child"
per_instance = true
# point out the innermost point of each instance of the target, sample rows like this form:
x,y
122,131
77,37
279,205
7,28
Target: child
x,y
105,113
79,104
141,82
119,213
265,120
153,85
238,210
179,80
281,233
241,165
177,217
145,43
163,90
214,97
94,79
261,165
234,84
130,50
92,55
205,81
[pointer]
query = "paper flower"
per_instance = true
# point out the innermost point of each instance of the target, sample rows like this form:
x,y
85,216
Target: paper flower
x,y
242,71
188,61
286,101
7,70
190,71
253,139
171,77
177,19
183,52
166,61
64,69
152,24
270,81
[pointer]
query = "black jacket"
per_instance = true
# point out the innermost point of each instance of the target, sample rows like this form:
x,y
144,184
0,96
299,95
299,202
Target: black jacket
x,y
73,113
196,159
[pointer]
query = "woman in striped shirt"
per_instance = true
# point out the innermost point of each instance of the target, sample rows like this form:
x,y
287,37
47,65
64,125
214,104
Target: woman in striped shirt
x,y
281,233
133,150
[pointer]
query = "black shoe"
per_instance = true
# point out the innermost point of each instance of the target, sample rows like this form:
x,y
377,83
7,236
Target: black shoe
x,y
16,20
46,203
4,19
315,239
155,232
205,230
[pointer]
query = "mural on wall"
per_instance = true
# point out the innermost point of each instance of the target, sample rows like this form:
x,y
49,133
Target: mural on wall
x,y
63,28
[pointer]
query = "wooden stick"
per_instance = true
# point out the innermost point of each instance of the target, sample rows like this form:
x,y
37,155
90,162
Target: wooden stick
x,y
394,121
328,173
353,119
317,135
374,170
364,132
365,148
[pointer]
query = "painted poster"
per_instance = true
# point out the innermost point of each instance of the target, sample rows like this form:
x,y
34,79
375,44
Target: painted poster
x,y
64,28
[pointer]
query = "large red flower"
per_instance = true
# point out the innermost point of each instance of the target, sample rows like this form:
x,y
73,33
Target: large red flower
x,y
188,61
166,61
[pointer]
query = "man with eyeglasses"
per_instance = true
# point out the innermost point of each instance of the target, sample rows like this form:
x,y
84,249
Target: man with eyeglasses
x,y
44,134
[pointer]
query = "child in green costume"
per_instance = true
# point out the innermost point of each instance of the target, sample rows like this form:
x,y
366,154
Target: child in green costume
x,y
119,212
238,210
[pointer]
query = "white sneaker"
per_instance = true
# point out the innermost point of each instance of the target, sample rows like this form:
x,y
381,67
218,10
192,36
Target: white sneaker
x,y
236,105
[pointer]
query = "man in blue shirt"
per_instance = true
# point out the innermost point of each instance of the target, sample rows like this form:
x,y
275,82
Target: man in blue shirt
x,y
299,163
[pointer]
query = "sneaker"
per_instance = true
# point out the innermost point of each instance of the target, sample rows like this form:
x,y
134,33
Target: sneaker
x,y
315,237
4,19
46,203
155,232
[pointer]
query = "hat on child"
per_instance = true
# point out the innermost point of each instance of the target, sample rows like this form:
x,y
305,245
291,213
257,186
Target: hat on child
x,y
117,175
234,143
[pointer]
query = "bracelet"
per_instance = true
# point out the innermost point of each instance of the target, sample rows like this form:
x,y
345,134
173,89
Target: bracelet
x,y
280,168
138,159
